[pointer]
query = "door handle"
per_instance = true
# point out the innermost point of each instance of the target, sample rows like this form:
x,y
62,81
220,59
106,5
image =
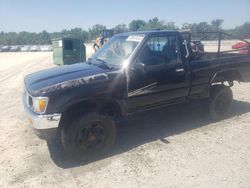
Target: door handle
x,y
179,70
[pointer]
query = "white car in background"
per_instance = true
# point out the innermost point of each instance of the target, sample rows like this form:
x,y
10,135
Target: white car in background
x,y
34,48
46,48
25,49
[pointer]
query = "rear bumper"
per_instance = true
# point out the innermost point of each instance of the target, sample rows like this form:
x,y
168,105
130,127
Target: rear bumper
x,y
44,121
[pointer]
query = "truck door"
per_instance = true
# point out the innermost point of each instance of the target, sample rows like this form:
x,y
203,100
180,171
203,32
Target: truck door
x,y
158,75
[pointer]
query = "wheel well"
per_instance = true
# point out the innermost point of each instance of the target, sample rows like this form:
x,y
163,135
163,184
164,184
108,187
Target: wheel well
x,y
226,76
222,78
107,107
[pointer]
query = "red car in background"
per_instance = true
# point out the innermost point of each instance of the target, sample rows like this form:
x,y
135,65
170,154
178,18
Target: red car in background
x,y
244,47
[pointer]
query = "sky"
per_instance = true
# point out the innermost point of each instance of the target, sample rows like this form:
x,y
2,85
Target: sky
x,y
55,15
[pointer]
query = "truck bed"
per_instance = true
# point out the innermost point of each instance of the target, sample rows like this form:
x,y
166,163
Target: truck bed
x,y
206,67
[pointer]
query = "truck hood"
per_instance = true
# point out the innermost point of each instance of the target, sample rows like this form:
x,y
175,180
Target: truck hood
x,y
61,76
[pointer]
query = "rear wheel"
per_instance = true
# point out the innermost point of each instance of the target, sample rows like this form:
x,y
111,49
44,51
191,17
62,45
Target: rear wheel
x,y
88,136
220,101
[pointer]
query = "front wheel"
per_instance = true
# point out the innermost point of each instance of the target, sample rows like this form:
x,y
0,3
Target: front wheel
x,y
88,136
220,101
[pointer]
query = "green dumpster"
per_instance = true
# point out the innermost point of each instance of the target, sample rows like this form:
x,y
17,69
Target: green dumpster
x,y
68,51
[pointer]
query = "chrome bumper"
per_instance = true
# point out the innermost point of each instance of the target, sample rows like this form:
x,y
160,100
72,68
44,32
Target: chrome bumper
x,y
44,121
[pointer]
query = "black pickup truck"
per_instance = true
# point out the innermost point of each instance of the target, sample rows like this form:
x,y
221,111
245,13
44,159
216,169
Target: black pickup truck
x,y
132,72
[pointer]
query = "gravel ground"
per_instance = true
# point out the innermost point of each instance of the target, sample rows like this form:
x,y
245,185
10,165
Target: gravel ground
x,y
169,147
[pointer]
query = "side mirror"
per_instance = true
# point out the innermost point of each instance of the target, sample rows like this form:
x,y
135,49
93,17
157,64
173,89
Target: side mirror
x,y
139,66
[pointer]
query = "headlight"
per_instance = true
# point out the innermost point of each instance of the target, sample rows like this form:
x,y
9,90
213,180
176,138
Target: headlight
x,y
40,104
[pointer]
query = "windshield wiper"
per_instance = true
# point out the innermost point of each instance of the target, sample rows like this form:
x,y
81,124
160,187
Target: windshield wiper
x,y
105,63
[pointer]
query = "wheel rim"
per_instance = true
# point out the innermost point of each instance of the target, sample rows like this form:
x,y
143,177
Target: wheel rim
x,y
91,136
222,104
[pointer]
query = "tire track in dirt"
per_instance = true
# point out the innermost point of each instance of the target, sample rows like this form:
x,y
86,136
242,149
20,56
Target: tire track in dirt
x,y
21,68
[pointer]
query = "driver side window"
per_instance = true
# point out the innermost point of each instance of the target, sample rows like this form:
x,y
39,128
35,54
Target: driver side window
x,y
160,50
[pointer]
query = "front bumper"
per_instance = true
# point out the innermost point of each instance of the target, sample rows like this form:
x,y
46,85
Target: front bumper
x,y
44,121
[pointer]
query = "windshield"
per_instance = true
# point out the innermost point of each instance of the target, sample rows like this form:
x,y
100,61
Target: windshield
x,y
118,49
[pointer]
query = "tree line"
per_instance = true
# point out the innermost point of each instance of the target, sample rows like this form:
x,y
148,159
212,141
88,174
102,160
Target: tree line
x,y
44,37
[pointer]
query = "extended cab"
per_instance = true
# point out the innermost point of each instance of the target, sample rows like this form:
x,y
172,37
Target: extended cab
x,y
131,72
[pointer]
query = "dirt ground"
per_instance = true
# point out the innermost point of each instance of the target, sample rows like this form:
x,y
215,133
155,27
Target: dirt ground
x,y
170,147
